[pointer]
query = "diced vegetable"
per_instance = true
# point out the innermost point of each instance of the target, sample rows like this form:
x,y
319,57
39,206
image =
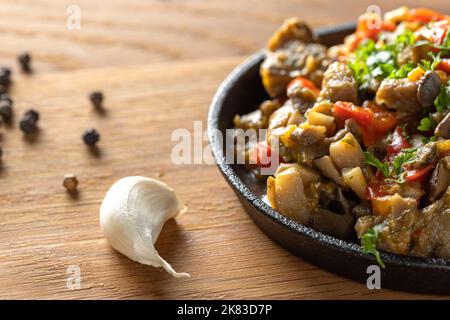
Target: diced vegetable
x,y
424,15
371,25
328,169
262,155
324,107
419,175
398,143
374,122
346,153
354,178
301,81
271,192
307,174
392,205
320,119
290,196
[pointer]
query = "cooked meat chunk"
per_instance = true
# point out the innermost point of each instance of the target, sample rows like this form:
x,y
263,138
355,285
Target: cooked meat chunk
x,y
431,235
301,97
252,120
339,84
443,128
409,96
425,155
292,29
291,52
280,117
292,60
410,231
399,94
308,135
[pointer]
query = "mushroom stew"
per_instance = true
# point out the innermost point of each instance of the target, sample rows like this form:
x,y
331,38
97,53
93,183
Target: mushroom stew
x,y
360,131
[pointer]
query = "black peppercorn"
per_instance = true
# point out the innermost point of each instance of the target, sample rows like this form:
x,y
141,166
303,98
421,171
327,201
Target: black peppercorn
x,y
25,61
5,96
70,182
96,98
5,77
91,137
29,121
6,110
32,114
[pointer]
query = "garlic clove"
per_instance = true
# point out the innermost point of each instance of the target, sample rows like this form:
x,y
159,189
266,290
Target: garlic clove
x,y
132,215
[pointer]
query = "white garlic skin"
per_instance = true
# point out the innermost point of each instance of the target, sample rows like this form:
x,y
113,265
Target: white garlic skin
x,y
132,215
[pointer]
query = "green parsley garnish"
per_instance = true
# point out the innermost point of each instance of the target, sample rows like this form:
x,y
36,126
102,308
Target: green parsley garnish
x,y
395,168
426,124
428,65
430,139
403,71
374,62
442,102
371,160
369,243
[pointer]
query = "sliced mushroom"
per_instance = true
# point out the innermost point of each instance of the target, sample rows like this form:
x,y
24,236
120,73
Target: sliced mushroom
x,y
308,174
443,128
354,178
440,179
328,169
428,89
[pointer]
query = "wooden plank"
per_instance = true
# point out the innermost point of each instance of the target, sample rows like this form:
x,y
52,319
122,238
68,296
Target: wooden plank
x,y
119,33
43,230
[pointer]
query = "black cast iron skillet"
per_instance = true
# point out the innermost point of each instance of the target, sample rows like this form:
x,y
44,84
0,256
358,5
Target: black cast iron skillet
x,y
242,92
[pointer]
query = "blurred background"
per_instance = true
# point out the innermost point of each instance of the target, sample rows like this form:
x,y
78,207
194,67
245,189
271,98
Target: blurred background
x,y
120,33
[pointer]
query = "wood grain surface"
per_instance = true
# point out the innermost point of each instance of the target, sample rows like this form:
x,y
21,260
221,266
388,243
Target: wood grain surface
x,y
127,49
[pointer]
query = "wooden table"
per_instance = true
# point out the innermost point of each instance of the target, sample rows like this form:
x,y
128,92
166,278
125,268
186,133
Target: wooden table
x,y
159,64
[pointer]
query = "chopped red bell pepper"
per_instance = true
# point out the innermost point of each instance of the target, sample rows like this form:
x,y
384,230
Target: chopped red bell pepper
x,y
419,175
398,143
353,41
370,26
444,65
435,32
262,155
374,121
304,83
424,15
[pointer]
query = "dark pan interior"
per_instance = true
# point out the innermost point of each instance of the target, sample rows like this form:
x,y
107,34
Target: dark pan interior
x,y
241,93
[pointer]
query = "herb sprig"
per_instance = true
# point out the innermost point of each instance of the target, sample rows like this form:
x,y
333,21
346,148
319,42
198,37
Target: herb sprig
x,y
393,171
369,243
